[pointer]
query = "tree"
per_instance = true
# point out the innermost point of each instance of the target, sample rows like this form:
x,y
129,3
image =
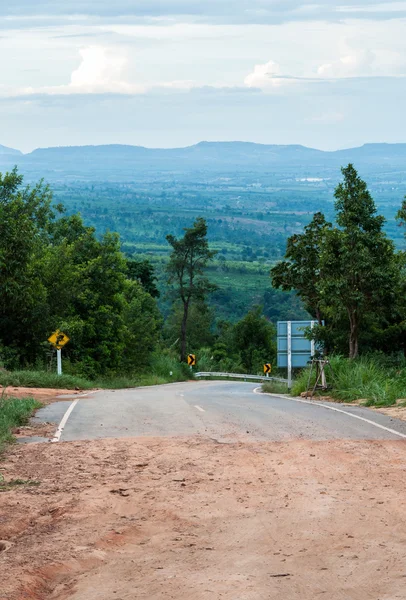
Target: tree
x,y
347,275
187,263
254,340
25,214
144,272
301,270
357,259
199,325
56,273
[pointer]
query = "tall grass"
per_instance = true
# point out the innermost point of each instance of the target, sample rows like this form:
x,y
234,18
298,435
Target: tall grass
x,y
163,368
275,387
14,412
365,378
44,379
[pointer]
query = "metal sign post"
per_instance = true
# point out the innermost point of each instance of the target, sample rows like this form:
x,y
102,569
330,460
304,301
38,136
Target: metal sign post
x,y
289,354
59,361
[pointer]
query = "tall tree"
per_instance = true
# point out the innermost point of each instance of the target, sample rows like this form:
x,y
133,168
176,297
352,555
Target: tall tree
x,y
357,259
186,267
301,269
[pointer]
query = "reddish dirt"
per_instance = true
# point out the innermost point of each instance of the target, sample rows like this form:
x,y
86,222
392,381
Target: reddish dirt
x,y
195,519
44,395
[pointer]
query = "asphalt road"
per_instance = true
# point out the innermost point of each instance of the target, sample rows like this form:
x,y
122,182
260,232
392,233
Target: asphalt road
x,y
223,411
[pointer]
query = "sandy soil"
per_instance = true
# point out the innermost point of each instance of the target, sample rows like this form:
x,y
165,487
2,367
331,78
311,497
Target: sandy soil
x,y
44,395
195,519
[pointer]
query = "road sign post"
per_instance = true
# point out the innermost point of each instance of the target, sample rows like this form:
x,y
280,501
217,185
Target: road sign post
x,y
289,354
59,361
58,339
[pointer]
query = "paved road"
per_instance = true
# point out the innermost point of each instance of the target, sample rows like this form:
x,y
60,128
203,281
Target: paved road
x,y
224,411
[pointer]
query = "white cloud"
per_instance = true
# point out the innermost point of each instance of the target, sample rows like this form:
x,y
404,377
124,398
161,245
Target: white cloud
x,y
101,71
265,76
355,64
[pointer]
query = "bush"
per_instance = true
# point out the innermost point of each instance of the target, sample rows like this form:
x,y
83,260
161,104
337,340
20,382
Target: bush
x,y
164,362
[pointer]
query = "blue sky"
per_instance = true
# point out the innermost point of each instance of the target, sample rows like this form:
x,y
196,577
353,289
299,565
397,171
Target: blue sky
x,y
328,74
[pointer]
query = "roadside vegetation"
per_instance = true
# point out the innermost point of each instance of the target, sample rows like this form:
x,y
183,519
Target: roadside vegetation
x,y
14,412
377,380
275,387
57,273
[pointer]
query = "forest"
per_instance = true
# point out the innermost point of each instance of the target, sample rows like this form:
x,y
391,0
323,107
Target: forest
x,y
126,313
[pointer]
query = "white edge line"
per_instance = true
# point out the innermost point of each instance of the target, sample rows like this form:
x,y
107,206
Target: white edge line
x,y
62,424
344,412
199,408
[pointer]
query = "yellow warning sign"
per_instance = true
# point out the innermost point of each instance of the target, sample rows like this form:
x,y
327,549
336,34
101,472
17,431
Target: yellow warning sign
x,y
58,339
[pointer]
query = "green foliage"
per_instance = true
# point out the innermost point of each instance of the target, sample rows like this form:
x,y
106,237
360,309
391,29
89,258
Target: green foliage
x,y
44,379
186,267
366,378
58,274
275,387
254,340
301,270
198,327
144,272
348,275
14,412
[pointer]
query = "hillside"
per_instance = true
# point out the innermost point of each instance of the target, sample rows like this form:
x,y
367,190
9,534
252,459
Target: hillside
x,y
110,161
9,151
253,196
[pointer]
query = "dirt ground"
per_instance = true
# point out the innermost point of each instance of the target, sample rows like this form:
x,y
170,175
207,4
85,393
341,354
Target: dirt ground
x,y
44,395
186,518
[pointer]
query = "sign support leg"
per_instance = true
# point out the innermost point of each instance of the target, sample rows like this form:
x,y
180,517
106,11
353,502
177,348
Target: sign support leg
x,y
59,361
289,354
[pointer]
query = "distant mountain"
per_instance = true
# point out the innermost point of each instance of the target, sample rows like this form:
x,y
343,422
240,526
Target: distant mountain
x,y
115,161
9,151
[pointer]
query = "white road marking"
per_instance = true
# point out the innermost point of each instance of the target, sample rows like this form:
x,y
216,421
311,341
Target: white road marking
x,y
199,408
339,410
62,424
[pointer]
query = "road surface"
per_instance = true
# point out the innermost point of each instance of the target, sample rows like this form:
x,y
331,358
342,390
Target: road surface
x,y
222,411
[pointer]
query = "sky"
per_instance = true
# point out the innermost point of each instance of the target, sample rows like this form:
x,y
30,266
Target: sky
x,y
324,73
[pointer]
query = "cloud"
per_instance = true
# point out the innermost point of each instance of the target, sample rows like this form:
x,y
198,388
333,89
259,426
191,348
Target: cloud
x,y
242,11
358,63
101,71
264,76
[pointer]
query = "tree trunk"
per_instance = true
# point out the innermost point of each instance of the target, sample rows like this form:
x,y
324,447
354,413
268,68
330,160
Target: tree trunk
x,y
183,332
353,349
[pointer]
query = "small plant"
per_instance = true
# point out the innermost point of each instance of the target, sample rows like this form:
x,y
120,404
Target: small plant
x,y
9,485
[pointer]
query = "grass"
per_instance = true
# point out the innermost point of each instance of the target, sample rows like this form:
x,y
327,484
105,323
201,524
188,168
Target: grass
x,y
164,368
365,378
14,412
44,379
275,387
